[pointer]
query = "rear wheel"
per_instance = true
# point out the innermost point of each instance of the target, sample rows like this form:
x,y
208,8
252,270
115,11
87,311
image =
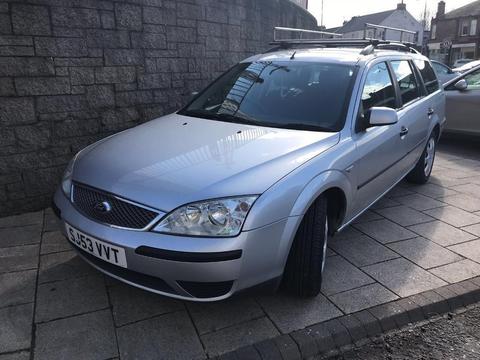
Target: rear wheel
x,y
306,261
421,172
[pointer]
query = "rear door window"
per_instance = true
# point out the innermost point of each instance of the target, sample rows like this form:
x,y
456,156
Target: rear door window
x,y
378,89
428,75
407,82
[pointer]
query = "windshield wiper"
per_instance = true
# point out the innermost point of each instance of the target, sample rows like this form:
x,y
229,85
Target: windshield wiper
x,y
249,121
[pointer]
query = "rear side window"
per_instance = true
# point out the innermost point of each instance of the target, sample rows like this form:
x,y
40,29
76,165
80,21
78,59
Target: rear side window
x,y
428,75
378,89
409,90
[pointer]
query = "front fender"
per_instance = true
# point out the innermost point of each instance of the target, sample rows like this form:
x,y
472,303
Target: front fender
x,y
324,181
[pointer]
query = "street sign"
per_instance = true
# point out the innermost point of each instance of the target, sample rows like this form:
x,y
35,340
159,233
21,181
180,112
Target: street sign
x,y
446,44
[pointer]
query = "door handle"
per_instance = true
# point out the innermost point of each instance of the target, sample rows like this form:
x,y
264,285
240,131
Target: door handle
x,y
403,131
430,112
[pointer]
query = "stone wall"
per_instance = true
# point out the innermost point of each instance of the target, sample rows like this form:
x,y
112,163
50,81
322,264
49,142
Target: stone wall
x,y
75,71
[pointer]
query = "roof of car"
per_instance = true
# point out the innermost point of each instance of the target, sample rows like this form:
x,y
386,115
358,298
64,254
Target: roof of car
x,y
349,56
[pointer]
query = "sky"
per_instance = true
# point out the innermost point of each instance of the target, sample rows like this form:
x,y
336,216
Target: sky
x,y
336,11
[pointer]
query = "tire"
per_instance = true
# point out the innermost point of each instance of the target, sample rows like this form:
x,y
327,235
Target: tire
x,y
421,172
303,272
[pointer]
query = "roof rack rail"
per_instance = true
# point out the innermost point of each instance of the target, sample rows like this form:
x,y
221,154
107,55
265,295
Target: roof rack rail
x,y
301,32
368,45
384,33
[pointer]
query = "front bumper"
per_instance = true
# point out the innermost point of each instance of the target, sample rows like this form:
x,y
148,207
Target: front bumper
x,y
191,268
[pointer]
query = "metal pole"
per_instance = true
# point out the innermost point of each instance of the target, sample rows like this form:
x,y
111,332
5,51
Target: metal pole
x,y
321,19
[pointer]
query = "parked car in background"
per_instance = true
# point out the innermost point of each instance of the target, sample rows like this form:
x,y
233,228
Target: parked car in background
x,y
461,62
242,186
467,66
444,73
463,103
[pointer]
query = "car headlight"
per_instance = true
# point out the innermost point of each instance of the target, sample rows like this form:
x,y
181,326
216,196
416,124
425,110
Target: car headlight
x,y
216,218
67,179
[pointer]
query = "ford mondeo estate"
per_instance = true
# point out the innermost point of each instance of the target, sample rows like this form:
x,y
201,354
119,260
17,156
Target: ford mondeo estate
x,y
245,184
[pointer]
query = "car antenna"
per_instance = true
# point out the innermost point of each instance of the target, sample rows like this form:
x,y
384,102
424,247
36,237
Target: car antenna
x,y
293,55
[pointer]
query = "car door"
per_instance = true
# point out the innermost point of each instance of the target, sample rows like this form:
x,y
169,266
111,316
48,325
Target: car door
x,y
377,148
463,107
413,115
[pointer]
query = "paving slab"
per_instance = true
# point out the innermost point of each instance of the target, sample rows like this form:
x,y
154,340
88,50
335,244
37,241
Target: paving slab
x,y
347,233
219,342
404,216
339,275
434,191
227,313
17,287
291,313
470,250
457,271
17,236
424,253
87,336
403,277
442,233
70,297
22,355
454,216
51,222
130,304
54,241
362,298
362,250
385,231
16,327
31,218
18,258
419,202
470,189
62,266
463,201
366,217
384,202
398,191
473,229
447,181
169,336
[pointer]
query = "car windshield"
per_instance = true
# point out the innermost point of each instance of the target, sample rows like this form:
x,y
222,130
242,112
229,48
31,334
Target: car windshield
x,y
285,94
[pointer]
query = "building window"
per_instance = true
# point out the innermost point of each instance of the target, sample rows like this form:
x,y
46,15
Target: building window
x,y
473,27
433,33
464,27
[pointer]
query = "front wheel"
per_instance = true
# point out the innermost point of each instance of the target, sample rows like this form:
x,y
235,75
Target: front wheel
x,y
421,172
306,260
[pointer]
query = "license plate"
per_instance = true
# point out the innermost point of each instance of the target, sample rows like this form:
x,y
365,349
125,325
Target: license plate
x,y
105,251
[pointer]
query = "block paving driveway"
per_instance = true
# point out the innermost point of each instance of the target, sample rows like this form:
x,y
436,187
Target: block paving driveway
x,y
55,306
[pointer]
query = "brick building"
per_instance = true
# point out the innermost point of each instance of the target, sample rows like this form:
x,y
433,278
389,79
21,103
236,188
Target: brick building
x,y
455,35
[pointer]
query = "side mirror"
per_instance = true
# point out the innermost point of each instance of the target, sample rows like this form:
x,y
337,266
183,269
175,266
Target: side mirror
x,y
461,85
380,116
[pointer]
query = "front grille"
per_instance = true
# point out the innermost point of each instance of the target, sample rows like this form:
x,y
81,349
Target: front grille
x,y
122,213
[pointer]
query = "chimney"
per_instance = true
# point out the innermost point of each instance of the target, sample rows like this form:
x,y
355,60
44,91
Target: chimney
x,y
441,9
401,6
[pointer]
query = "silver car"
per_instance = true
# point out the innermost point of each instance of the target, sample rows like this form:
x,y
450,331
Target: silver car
x,y
243,185
463,103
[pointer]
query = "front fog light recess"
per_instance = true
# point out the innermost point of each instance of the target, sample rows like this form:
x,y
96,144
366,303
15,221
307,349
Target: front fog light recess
x,y
219,217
